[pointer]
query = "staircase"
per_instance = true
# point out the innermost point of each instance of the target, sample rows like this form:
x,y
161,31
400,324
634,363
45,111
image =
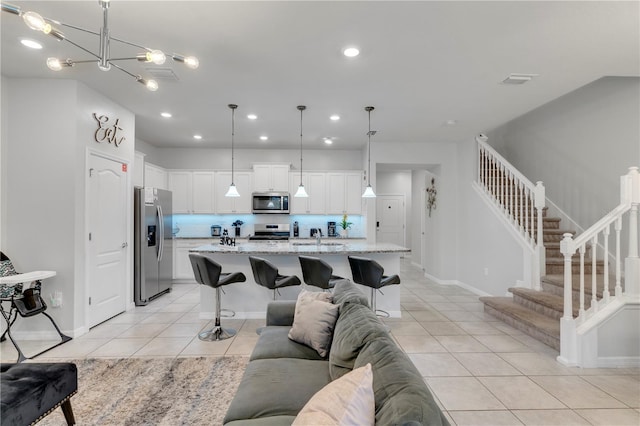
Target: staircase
x,y
538,313
570,285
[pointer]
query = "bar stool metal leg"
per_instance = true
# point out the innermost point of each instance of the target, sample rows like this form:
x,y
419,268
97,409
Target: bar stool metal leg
x,y
217,332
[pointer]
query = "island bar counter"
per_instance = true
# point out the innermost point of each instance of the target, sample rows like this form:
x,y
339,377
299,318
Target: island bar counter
x,y
249,300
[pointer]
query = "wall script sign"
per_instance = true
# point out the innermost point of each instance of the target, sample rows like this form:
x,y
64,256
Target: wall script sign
x,y
107,131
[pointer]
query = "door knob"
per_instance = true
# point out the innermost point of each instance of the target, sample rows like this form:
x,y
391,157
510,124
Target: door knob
x,y
124,245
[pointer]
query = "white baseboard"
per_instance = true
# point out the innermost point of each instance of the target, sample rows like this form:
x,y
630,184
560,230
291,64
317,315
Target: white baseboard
x,y
456,282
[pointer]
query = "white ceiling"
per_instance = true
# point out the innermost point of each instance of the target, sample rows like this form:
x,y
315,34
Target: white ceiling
x,y
421,64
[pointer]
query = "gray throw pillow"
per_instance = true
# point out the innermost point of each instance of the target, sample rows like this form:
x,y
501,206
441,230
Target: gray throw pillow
x,y
313,324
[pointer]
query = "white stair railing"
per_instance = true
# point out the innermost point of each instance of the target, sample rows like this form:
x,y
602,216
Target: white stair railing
x,y
521,201
600,232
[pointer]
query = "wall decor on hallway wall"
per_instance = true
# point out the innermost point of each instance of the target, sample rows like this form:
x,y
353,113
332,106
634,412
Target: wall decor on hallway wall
x,y
431,196
107,132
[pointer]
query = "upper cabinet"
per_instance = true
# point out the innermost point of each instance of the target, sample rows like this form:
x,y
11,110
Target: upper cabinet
x,y
241,204
271,177
138,169
314,184
155,177
344,193
193,192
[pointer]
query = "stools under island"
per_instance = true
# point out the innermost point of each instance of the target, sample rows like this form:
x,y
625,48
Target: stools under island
x,y
249,300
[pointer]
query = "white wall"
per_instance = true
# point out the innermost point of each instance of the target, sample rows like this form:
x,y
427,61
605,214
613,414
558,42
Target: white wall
x,y
578,145
44,151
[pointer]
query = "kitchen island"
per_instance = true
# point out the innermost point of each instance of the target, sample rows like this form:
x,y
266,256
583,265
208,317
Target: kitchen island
x,y
249,300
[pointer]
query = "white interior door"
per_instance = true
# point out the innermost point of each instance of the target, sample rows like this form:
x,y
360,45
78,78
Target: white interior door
x,y
390,219
107,239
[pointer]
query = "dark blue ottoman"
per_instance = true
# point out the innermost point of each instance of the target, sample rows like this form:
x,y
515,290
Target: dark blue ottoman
x,y
30,391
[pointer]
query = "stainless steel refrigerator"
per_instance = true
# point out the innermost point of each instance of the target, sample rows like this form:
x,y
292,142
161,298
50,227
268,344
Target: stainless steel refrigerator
x,y
153,246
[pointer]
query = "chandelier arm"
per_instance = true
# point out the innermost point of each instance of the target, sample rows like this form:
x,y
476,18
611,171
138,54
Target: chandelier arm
x,y
82,48
74,27
122,59
137,77
130,43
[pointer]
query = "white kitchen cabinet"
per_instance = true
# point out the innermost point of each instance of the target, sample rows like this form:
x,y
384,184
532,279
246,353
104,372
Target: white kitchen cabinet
x,y
155,177
138,169
241,204
193,191
180,184
344,193
203,192
271,177
182,269
314,184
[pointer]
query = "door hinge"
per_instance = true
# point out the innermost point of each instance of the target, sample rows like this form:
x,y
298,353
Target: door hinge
x,y
89,301
89,236
91,172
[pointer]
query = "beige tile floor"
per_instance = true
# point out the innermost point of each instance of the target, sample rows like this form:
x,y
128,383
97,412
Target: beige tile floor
x,y
481,371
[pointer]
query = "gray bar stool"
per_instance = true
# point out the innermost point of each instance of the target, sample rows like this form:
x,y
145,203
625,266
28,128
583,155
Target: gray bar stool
x,y
318,273
370,273
266,274
208,272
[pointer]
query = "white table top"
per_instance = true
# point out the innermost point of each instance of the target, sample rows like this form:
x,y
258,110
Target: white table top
x,y
27,277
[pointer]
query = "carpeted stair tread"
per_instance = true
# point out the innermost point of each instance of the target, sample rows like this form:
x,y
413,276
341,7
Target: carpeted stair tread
x,y
557,280
545,299
526,316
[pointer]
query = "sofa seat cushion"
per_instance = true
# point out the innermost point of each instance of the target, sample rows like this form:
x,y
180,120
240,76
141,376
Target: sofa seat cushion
x,y
274,342
264,421
277,387
356,325
401,395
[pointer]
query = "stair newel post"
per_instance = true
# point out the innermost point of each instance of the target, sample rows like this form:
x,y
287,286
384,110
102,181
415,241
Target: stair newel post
x,y
567,249
540,201
581,309
594,271
605,290
632,262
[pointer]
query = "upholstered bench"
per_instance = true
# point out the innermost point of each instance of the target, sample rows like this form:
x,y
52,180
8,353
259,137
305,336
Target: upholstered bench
x,y
30,391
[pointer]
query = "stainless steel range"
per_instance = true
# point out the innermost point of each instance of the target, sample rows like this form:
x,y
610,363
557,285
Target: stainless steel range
x,y
271,232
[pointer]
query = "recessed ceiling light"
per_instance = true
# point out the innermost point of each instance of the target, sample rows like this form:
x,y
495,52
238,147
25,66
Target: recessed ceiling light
x,y
252,116
166,114
351,52
197,137
335,117
32,44
328,141
451,122
264,138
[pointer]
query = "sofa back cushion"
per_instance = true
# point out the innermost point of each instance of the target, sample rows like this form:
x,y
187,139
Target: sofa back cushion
x,y
346,292
356,325
401,395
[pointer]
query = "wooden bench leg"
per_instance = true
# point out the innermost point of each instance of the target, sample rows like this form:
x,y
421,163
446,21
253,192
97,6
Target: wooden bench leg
x,y
68,412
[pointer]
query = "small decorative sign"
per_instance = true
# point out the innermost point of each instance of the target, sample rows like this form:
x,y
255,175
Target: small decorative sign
x,y
108,131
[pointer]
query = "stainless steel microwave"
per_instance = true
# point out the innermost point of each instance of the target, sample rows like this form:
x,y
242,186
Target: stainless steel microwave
x,y
270,202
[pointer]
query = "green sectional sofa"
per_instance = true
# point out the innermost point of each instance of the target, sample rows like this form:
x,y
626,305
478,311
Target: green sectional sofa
x,y
283,375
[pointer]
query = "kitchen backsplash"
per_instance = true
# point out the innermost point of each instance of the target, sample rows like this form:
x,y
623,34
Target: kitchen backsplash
x,y
199,225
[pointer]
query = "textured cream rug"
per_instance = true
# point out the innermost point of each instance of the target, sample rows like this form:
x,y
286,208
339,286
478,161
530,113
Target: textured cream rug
x,y
162,391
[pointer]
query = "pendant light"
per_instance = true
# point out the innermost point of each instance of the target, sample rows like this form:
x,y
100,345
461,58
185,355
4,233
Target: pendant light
x,y
368,192
233,191
301,193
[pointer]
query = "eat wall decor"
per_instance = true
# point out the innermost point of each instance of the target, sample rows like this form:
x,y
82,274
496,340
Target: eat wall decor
x,y
108,131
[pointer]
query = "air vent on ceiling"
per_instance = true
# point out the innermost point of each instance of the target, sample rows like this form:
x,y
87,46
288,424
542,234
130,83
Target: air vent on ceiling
x,y
162,74
518,78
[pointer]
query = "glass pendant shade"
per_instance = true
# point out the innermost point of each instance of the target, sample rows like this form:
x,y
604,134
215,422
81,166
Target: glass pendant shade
x,y
232,191
301,192
368,192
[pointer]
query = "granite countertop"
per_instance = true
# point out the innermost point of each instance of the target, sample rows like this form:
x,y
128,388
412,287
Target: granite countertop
x,y
303,246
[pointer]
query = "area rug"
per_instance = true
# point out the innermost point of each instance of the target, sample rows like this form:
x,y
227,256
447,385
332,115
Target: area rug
x,y
159,391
